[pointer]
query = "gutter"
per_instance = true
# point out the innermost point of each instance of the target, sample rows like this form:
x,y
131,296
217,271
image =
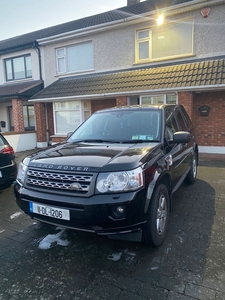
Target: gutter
x,y
16,48
35,46
131,19
205,88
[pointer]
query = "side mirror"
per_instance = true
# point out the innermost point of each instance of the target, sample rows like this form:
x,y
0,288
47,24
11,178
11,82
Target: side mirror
x,y
181,137
69,135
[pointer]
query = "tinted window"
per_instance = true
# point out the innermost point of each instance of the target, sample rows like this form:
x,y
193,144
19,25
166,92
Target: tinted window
x,y
186,118
171,124
121,125
181,122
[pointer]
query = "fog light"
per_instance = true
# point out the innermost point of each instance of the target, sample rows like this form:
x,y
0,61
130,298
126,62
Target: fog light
x,y
118,212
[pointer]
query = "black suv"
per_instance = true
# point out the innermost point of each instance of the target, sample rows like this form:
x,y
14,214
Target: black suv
x,y
115,175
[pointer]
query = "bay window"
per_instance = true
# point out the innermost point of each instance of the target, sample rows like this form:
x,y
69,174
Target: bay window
x,y
69,115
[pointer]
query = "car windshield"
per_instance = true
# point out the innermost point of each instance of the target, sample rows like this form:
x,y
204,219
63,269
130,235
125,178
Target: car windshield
x,y
120,126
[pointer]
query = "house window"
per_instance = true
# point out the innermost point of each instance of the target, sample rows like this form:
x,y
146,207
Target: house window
x,y
69,115
18,68
28,116
75,58
170,40
159,99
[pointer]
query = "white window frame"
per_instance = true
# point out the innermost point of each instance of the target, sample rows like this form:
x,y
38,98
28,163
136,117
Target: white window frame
x,y
82,109
164,97
149,39
61,56
64,56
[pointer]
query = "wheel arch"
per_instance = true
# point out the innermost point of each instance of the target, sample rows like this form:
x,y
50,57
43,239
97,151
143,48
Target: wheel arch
x,y
196,152
158,178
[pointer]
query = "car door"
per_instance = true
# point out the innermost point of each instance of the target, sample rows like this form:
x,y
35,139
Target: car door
x,y
175,153
187,147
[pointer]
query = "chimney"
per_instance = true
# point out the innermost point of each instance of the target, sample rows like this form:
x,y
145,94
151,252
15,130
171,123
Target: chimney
x,y
132,2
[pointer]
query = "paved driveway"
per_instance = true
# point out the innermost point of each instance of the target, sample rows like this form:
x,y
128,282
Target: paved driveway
x,y
43,262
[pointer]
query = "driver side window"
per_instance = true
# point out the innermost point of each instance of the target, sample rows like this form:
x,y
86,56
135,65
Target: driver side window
x,y
171,127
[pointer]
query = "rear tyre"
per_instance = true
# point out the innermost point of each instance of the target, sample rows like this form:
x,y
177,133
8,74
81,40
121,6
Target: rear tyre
x,y
157,224
192,174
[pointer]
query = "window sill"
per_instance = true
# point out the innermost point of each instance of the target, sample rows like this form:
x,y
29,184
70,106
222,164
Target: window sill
x,y
163,60
58,136
73,73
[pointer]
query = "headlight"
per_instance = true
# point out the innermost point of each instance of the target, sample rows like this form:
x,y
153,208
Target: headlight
x,y
120,181
21,172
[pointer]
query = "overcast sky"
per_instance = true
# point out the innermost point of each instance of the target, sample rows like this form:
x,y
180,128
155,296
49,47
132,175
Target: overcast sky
x,y
21,16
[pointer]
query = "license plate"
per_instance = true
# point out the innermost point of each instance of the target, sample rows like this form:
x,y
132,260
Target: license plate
x,y
50,211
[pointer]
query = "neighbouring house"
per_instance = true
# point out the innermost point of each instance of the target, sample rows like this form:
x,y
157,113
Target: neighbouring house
x,y
121,57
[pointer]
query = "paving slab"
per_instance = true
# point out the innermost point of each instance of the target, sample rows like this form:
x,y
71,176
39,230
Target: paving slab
x,y
39,261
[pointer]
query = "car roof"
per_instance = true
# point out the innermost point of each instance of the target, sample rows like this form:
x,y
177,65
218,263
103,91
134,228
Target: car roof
x,y
139,107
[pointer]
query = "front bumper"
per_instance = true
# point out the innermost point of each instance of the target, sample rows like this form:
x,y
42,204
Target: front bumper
x,y
94,214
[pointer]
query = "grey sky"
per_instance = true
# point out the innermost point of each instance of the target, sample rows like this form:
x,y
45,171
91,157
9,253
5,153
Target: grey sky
x,y
21,16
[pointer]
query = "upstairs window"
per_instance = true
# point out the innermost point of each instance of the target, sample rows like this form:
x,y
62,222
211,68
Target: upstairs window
x,y
167,41
75,58
18,68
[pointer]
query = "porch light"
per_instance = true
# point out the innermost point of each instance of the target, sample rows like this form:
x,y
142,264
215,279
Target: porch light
x,y
160,19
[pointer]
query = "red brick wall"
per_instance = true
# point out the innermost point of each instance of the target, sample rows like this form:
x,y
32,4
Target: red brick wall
x,y
40,121
186,99
101,104
17,110
57,139
121,101
107,103
210,129
50,121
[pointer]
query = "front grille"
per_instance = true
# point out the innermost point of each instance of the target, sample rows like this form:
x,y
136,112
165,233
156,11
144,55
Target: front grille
x,y
61,181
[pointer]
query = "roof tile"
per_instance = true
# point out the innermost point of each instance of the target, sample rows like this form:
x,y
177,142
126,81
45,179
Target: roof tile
x,y
172,76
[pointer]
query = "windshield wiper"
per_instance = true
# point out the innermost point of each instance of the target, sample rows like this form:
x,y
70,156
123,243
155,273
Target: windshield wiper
x,y
138,141
96,141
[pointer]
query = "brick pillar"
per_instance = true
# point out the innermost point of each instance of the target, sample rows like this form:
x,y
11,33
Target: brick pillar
x,y
40,116
121,101
186,99
49,108
17,111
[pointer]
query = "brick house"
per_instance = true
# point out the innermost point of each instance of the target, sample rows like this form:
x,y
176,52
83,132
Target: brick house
x,y
124,57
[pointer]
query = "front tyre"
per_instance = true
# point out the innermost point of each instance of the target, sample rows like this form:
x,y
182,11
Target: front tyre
x,y
157,224
192,174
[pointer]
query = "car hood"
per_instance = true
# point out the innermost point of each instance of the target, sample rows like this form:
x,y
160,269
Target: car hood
x,y
93,156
